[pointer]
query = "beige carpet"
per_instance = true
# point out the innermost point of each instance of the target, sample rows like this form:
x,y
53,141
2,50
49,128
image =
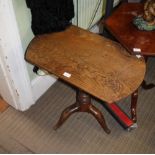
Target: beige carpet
x,y
31,131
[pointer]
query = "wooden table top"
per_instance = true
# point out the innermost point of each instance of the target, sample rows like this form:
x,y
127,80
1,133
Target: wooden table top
x,y
88,61
121,26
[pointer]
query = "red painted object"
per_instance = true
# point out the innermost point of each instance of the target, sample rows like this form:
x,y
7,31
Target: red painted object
x,y
120,115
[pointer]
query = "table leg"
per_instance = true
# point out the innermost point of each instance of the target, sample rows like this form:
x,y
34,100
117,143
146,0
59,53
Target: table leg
x,y
83,104
134,98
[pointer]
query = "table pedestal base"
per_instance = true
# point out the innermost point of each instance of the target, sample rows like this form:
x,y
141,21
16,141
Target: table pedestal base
x,y
82,104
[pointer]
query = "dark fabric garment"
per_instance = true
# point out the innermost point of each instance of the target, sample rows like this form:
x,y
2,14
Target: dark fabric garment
x,y
50,15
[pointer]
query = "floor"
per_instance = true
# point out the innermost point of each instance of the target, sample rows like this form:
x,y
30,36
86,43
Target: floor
x,y
32,131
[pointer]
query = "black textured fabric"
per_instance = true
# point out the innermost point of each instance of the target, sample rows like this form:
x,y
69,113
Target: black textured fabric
x,y
50,15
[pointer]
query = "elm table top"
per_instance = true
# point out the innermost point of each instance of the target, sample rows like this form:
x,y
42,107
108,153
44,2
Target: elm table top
x,y
95,64
121,26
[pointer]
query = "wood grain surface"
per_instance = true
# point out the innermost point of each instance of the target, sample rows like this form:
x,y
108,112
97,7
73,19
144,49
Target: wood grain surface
x,y
120,24
96,65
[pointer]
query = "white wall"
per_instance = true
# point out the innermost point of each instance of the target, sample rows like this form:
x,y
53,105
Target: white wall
x,y
23,90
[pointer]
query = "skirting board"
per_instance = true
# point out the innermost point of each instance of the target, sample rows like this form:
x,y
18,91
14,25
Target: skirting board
x,y
41,84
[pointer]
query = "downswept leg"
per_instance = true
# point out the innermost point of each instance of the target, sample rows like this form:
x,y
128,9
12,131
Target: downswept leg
x,y
65,115
99,117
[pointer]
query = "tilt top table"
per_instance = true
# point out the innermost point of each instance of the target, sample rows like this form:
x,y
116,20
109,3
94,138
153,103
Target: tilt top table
x,y
94,65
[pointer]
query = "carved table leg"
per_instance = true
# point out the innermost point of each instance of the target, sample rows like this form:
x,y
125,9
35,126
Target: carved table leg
x,y
83,104
65,114
134,98
99,117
